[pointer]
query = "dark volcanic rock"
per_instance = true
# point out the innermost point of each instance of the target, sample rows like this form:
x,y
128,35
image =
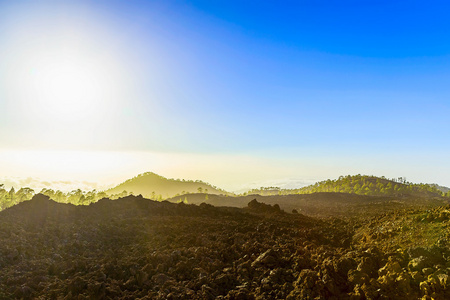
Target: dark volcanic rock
x,y
259,207
137,248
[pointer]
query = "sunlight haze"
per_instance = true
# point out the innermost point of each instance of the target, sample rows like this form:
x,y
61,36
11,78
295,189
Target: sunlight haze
x,y
240,95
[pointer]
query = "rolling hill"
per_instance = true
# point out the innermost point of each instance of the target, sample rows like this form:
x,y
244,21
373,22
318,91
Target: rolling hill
x,y
154,186
443,189
362,185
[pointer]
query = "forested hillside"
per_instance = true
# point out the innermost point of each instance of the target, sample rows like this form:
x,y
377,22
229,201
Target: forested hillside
x,y
361,185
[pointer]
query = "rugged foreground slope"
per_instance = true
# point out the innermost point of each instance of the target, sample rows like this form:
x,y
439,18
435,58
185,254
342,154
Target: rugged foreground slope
x,y
137,248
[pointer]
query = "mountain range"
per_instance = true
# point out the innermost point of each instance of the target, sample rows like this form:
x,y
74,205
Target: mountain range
x,y
155,186
358,191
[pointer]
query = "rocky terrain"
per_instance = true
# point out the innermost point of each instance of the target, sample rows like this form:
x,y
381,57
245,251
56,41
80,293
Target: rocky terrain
x,y
322,204
137,248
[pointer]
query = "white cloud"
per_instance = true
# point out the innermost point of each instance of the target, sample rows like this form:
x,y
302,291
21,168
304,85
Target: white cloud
x,y
37,184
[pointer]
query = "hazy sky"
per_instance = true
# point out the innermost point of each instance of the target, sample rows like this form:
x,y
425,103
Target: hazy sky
x,y
237,93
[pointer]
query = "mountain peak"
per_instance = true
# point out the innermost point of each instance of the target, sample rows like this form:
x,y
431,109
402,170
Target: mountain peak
x,y
152,185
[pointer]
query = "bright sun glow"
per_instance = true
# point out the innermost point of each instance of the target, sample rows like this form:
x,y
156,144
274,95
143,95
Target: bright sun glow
x,y
64,84
66,78
68,86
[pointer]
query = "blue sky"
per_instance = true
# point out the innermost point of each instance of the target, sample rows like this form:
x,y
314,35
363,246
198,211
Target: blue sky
x,y
305,89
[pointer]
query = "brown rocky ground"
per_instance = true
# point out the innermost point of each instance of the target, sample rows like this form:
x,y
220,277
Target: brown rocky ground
x,y
137,248
323,204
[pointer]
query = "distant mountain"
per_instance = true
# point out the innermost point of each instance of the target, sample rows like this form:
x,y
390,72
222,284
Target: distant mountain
x,y
361,185
154,186
443,189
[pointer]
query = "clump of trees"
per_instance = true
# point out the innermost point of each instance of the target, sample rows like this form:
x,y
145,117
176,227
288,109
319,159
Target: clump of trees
x,y
11,197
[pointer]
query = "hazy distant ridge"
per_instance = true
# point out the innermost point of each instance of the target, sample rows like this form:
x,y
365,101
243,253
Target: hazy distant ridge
x,y
154,186
157,187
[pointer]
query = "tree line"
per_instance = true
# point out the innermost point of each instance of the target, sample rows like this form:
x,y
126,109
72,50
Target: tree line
x,y
12,197
76,197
